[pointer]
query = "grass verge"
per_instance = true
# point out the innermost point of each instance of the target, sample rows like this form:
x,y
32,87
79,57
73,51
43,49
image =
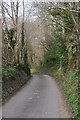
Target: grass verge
x,y
69,83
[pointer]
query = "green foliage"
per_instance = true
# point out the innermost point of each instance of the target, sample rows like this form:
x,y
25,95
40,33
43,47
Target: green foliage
x,y
10,38
71,90
69,83
9,72
60,60
33,71
13,78
11,34
73,75
57,55
65,15
11,85
25,67
49,60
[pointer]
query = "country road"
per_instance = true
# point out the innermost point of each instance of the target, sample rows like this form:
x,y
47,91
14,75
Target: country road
x,y
40,98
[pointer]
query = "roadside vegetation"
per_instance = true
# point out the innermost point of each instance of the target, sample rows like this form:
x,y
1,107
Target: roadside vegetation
x,y
15,66
62,49
42,38
13,78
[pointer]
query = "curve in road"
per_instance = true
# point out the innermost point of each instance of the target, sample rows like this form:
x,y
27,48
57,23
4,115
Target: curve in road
x,y
40,98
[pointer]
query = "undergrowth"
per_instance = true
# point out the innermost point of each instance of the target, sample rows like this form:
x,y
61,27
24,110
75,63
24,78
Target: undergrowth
x,y
69,83
13,78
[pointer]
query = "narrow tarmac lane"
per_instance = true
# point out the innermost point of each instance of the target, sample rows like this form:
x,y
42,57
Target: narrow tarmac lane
x,y
40,98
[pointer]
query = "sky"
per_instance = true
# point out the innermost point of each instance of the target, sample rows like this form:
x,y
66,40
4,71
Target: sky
x,y
29,2
46,0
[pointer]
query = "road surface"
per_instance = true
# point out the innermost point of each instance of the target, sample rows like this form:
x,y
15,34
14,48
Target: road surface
x,y
40,98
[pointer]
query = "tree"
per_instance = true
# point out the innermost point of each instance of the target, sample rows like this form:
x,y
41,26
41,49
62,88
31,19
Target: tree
x,y
62,44
14,43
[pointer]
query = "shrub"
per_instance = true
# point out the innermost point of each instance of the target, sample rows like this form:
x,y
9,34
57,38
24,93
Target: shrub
x,y
25,68
9,72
